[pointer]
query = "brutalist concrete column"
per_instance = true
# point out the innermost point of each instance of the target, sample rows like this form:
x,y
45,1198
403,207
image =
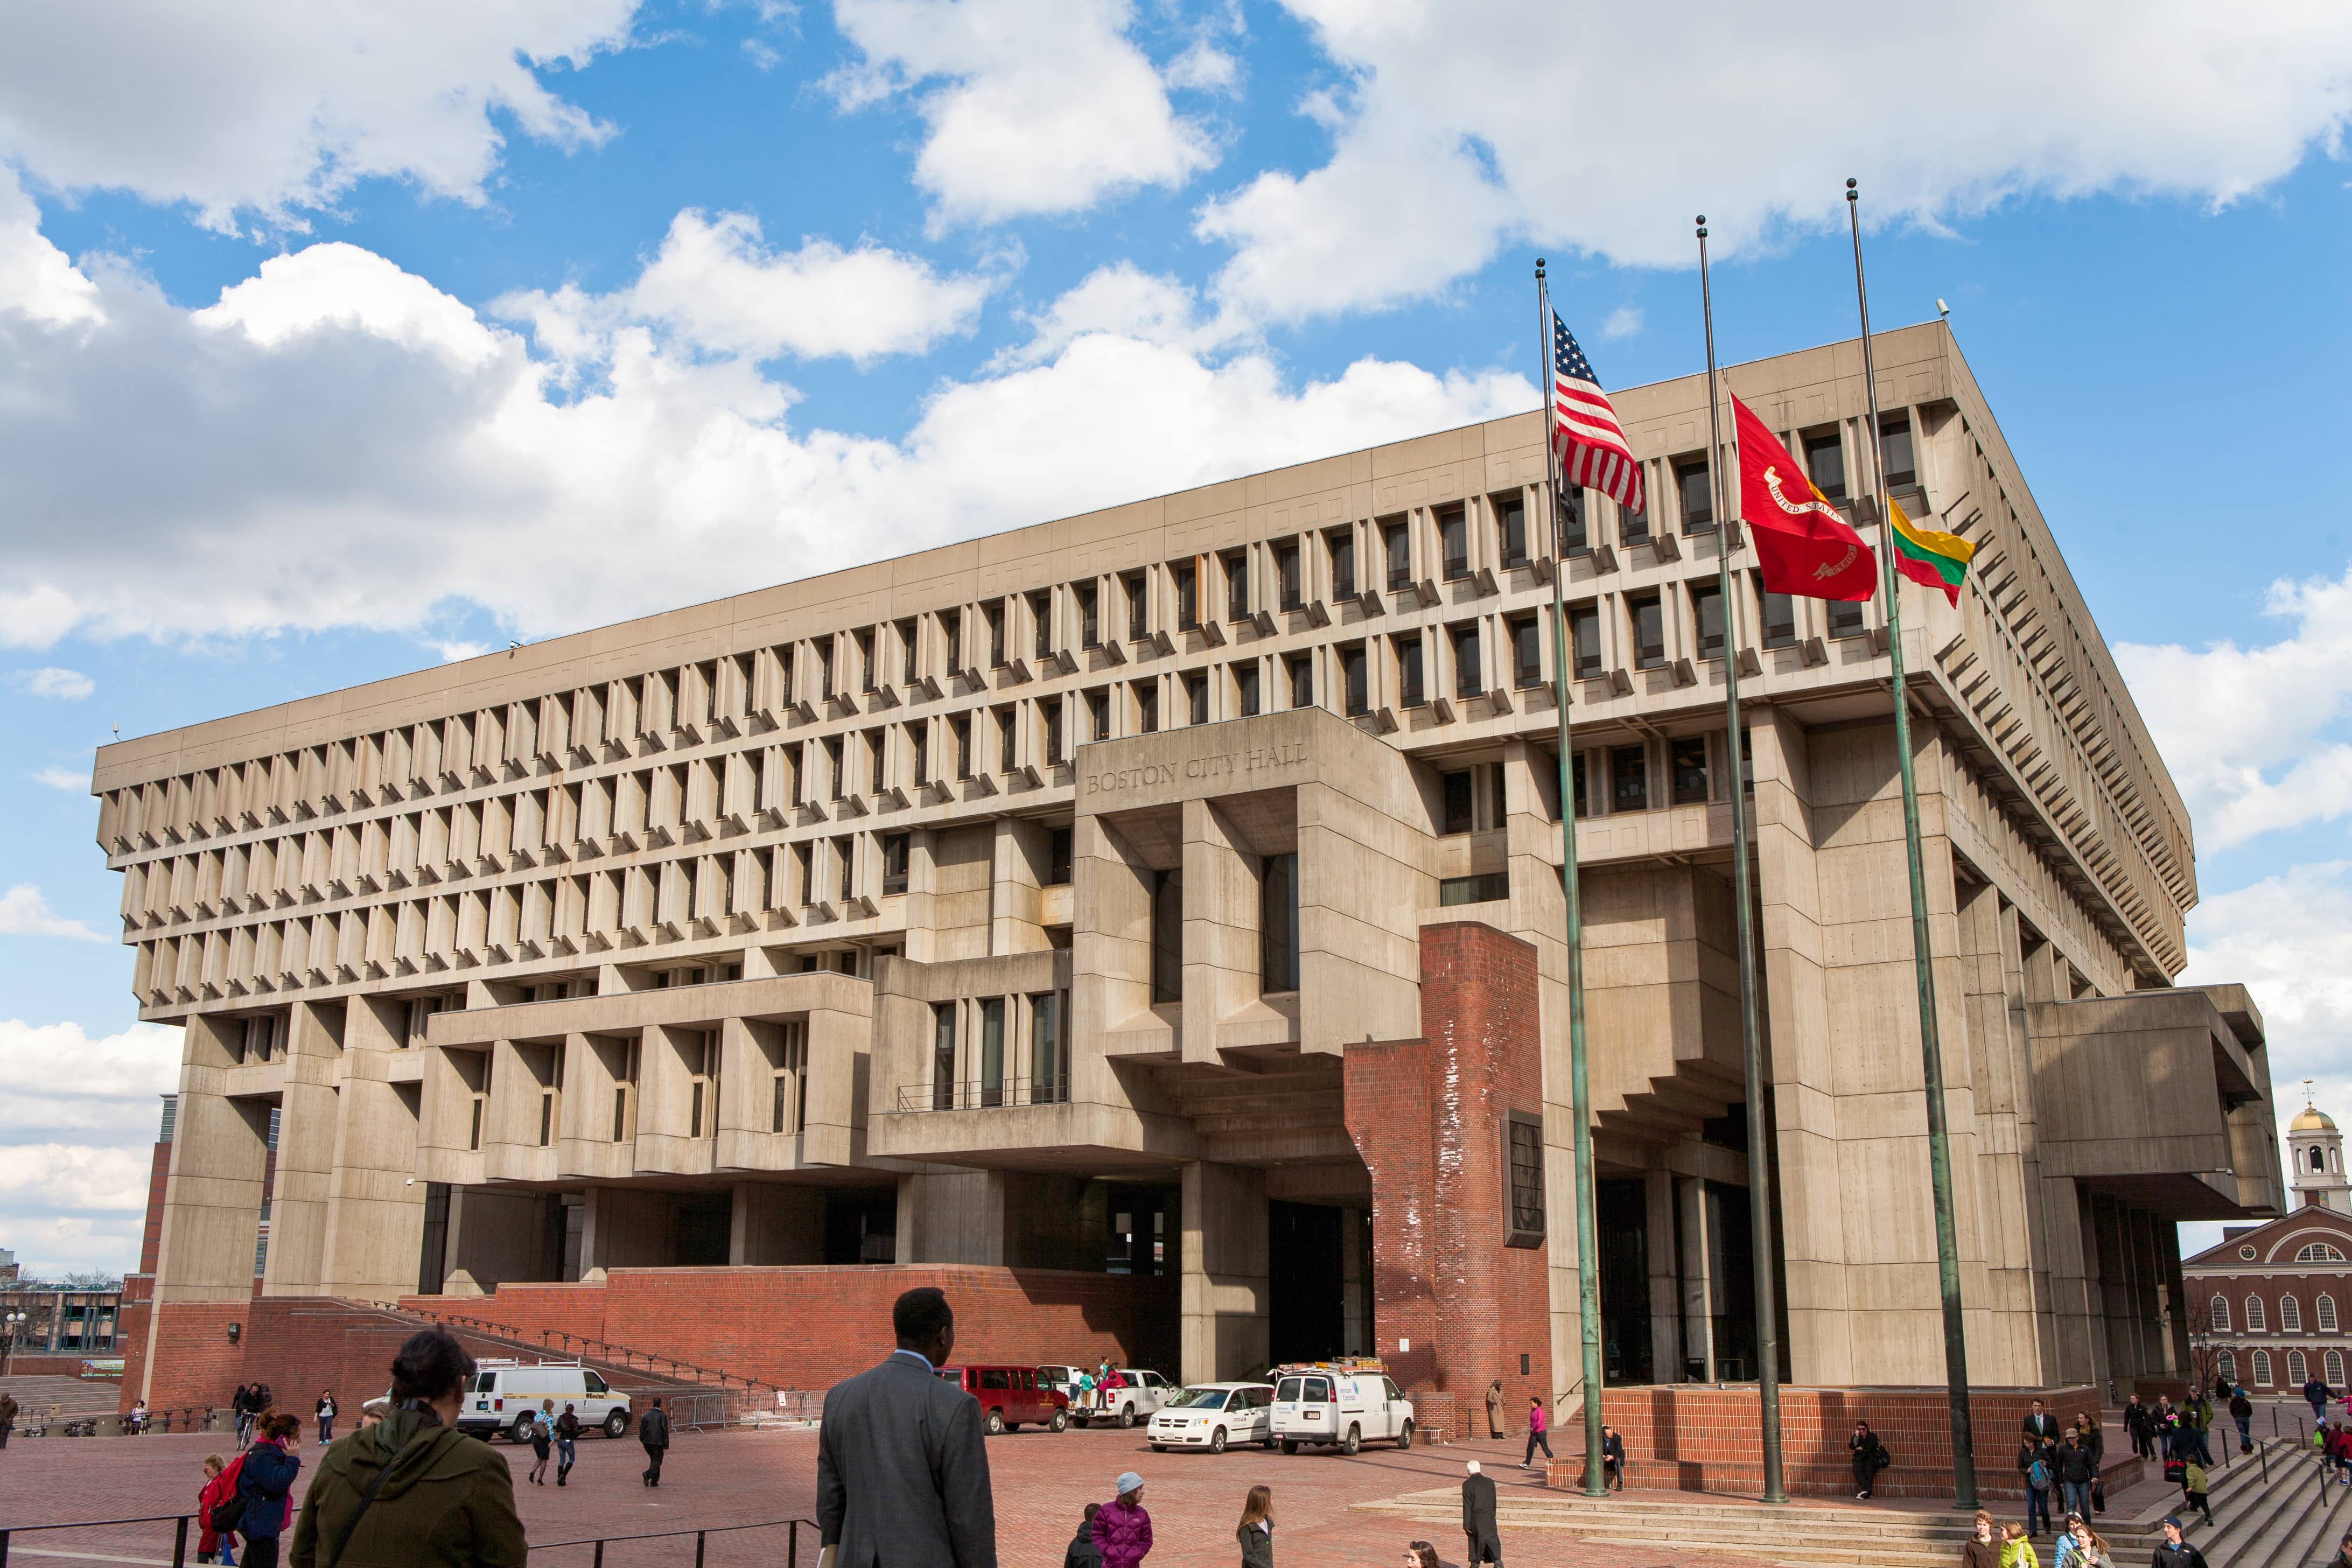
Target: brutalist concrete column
x,y
375,1210
1698,1289
212,1200
1221,928
307,1126
1666,1277
1225,1277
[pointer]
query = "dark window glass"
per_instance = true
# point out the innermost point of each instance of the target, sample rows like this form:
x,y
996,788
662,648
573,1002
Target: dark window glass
x,y
909,640
1629,779
1526,652
993,612
1353,671
1187,596
1454,540
1511,529
1649,631
1746,764
1584,639
1894,451
1246,688
824,668
1569,524
1410,693
992,1083
1053,732
920,735
834,766
1396,543
1138,601
1825,463
1098,713
1845,619
1147,707
1285,571
1707,606
1057,857
1341,543
1166,936
1277,923
1007,734
1051,1083
1527,1178
1686,756
1196,699
894,862
960,728
1040,617
951,637
865,660
1302,681
1486,888
1692,489
1460,809
1237,606
1089,621
943,1063
1468,679
844,855
1576,780
1780,620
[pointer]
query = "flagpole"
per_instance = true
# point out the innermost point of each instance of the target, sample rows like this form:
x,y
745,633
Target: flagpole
x,y
1931,1051
1760,1168
1588,1279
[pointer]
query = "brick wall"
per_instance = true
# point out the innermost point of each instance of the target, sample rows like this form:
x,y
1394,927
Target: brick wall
x,y
1428,1117
1696,1438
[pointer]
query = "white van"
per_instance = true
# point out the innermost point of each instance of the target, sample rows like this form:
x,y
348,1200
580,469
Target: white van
x,y
1347,1408
1211,1415
506,1397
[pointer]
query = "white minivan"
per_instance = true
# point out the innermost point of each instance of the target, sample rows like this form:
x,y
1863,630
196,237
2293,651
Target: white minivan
x,y
506,1397
1212,1414
1348,1409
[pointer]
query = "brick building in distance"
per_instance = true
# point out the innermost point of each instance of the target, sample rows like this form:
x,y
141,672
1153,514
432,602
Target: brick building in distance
x,y
2271,1305
1150,924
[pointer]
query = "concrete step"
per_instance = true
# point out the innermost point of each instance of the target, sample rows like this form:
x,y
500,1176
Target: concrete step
x,y
2305,1523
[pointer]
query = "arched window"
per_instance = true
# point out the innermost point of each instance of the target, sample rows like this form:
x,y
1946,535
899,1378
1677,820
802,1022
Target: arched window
x,y
2254,1315
2318,1252
2335,1364
2290,1315
2296,1374
2261,1369
2228,1365
2221,1314
2326,1309
2318,1161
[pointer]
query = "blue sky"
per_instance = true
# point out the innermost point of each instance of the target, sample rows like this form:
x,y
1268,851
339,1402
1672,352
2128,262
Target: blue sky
x,y
334,345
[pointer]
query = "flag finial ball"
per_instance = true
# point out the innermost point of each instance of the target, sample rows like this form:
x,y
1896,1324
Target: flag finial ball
x,y
1848,182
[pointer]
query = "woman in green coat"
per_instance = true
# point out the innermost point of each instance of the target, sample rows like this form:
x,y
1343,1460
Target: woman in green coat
x,y
412,1491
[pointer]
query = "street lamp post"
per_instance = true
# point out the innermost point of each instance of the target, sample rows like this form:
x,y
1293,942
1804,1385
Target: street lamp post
x,y
15,1321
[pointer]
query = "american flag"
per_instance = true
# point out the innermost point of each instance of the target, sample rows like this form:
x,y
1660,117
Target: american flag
x,y
1592,447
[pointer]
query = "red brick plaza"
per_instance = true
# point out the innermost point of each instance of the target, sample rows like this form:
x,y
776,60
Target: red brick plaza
x,y
1043,1482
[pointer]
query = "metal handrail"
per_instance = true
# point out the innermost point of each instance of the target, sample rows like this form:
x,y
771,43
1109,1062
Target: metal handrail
x,y
627,1358
791,1541
978,1094
179,1538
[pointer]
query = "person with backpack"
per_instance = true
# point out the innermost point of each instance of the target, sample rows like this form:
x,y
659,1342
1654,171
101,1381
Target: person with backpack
x,y
212,1544
412,1491
264,1482
543,1441
653,1432
241,1407
2034,1463
567,1440
1870,1457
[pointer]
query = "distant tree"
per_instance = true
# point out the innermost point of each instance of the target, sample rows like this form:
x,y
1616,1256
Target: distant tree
x,y
2204,1348
91,1279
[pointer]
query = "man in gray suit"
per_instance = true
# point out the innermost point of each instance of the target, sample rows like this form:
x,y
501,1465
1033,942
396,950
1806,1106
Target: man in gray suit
x,y
899,1456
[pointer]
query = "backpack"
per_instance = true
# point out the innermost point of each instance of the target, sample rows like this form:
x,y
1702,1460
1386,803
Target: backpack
x,y
2176,1471
2039,1473
228,1514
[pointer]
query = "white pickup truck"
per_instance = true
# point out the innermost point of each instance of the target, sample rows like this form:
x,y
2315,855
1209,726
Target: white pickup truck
x,y
1144,1391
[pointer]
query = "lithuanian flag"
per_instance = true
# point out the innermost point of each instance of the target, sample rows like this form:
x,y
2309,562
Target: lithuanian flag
x,y
1927,556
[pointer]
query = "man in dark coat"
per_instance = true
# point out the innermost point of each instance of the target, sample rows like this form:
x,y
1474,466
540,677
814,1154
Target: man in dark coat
x,y
2041,1426
2137,1422
1478,1518
653,1432
900,1458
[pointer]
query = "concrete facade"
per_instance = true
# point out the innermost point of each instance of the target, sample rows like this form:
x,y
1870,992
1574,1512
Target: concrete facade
x,y
1018,903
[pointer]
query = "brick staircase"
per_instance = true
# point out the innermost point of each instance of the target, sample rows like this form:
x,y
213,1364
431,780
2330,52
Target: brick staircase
x,y
2278,1520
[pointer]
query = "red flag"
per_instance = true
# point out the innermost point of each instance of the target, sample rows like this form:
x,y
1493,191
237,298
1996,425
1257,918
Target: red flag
x,y
1805,548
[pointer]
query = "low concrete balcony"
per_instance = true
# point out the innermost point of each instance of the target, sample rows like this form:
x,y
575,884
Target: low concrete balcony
x,y
2162,1098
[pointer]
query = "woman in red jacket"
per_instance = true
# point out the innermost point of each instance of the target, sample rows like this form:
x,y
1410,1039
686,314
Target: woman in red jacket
x,y
220,1485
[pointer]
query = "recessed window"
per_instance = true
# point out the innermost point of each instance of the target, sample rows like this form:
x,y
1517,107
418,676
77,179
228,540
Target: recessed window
x,y
1569,525
1187,596
909,644
1285,574
993,612
1845,619
1584,639
1707,611
951,638
1411,692
1894,451
1237,595
1147,707
1460,801
1057,857
1526,652
1648,623
1089,621
959,727
1523,1155
865,660
1340,544
1686,756
1825,463
1396,545
1780,620
1300,666
1041,622
944,1056
1576,783
1098,714
1454,540
1277,925
1139,600
1629,779
1354,679
824,668
1166,936
1696,494
1486,887
1511,529
1007,738
1468,679
2290,1315
1053,707
1049,1074
894,863
1196,699
1245,684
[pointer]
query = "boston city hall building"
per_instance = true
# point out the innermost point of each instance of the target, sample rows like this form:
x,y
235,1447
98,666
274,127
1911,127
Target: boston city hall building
x,y
1148,925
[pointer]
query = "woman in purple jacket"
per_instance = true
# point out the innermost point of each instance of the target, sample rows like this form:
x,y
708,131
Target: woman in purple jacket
x,y
1122,1529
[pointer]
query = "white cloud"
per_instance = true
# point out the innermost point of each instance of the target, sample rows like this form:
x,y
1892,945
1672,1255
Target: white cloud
x,y
337,443
459,652
716,285
23,912
71,685
73,1177
1467,126
78,1121
2288,938
1033,106
61,778
1622,323
1120,300
273,106
2245,730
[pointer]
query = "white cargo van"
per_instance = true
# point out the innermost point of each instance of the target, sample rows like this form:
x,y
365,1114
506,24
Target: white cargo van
x,y
1343,1406
506,1397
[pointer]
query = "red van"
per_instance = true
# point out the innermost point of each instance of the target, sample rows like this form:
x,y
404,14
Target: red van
x,y
1009,1397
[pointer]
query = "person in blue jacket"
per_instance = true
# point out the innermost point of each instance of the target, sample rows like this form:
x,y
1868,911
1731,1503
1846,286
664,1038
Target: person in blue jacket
x,y
263,1483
